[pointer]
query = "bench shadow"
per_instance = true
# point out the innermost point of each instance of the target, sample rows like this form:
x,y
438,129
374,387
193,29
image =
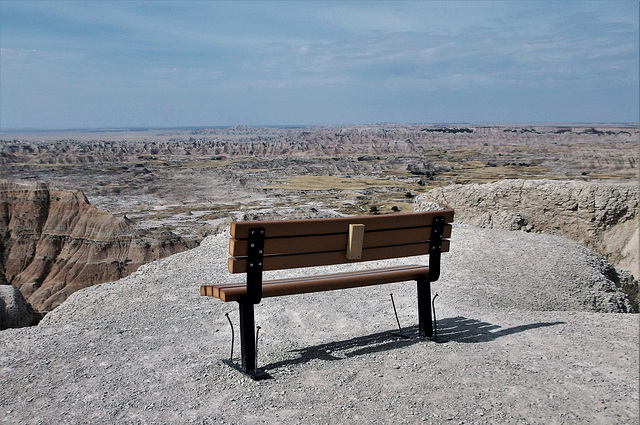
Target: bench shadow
x,y
457,329
464,330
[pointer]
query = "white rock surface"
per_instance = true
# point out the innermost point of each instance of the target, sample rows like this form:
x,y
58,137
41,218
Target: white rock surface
x,y
603,217
524,346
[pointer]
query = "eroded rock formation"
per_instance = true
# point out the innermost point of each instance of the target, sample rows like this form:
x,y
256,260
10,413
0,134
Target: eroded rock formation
x,y
15,311
604,217
54,242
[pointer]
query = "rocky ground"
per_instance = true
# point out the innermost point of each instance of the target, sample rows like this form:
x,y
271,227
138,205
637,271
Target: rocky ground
x,y
529,341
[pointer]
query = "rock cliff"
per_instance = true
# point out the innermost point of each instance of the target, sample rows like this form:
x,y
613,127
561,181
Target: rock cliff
x,y
604,217
54,242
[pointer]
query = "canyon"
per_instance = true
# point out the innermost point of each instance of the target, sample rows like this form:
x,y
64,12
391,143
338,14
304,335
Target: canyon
x,y
54,242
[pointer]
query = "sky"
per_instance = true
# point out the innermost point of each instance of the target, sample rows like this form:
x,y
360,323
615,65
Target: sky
x,y
124,64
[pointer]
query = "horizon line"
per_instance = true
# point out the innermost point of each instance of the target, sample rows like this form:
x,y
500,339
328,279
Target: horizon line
x,y
116,129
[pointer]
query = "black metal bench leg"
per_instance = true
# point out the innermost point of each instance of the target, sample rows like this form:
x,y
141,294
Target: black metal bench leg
x,y
425,324
247,337
248,343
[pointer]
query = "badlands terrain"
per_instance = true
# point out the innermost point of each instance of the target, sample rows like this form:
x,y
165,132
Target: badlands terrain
x,y
97,205
530,301
191,181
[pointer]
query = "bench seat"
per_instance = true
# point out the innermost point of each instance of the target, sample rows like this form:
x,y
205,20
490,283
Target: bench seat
x,y
328,282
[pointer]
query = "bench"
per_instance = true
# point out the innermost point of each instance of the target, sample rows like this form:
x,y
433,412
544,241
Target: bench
x,y
258,246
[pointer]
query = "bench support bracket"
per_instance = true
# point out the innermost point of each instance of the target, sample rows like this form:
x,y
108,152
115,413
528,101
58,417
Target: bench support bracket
x,y
255,254
425,323
248,348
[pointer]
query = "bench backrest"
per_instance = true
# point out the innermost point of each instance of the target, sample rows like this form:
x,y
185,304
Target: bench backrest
x,y
287,244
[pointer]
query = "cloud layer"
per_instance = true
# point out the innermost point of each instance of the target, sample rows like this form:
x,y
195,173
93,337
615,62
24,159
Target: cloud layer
x,y
118,64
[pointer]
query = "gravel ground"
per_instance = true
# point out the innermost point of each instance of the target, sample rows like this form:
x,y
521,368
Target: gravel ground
x,y
525,346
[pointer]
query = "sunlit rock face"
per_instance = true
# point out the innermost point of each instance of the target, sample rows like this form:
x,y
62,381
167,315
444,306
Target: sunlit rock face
x,y
602,216
54,242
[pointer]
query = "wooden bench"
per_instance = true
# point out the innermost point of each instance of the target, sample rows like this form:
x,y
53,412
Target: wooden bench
x,y
258,246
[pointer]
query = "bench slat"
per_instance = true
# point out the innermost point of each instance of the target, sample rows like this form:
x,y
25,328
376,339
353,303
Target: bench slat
x,y
320,226
329,282
280,262
335,242
214,290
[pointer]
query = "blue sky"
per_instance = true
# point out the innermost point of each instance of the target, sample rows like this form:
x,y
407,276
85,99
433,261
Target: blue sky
x,y
91,64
